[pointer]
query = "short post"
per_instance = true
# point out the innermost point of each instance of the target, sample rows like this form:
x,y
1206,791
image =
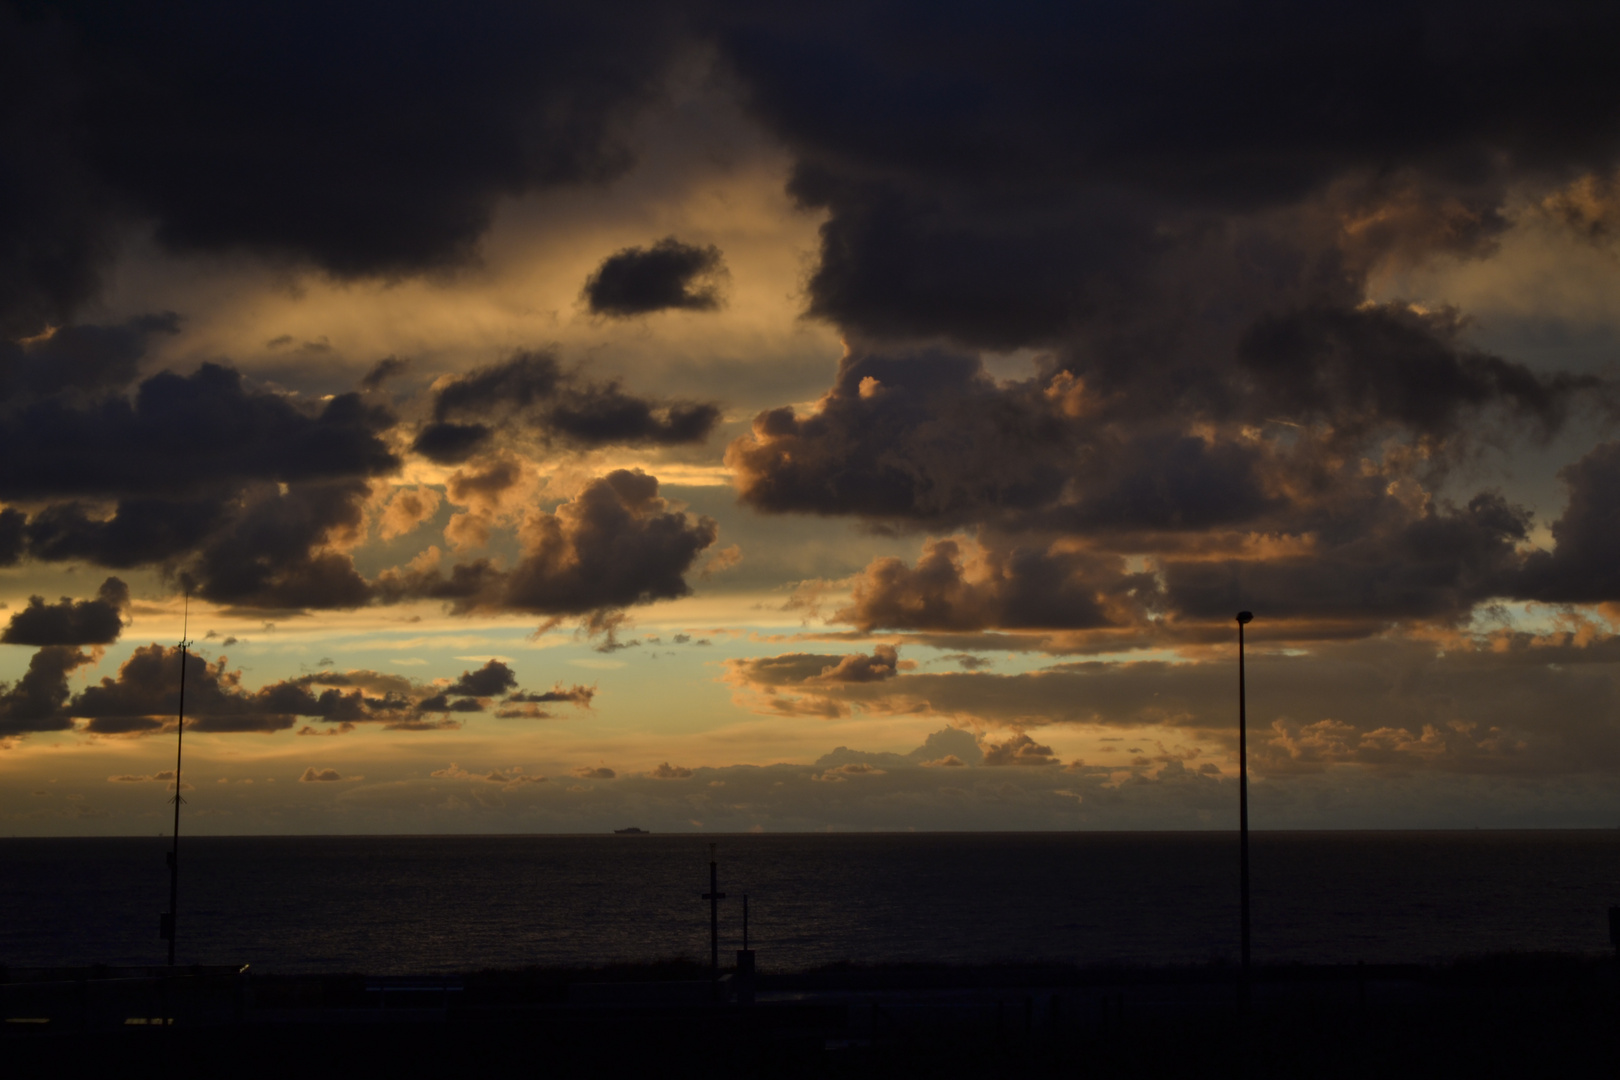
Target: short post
x,y
714,896
745,964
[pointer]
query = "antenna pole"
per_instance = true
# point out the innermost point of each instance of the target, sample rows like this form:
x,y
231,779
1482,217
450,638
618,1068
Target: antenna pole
x,y
714,896
1243,618
179,744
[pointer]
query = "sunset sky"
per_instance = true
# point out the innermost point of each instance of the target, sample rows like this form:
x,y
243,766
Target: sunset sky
x,y
710,417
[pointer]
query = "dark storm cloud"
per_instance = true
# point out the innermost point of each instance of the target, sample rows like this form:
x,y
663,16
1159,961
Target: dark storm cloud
x,y
450,443
488,681
526,706
924,435
244,723
603,414
71,622
241,487
1019,587
182,434
13,539
1064,483
1351,562
113,113
83,360
259,546
1585,564
523,712
1181,208
144,697
441,703
55,222
124,725
383,370
534,99
1146,479
615,544
1021,153
667,276
882,664
575,695
1435,564
805,684
525,379
980,164
1389,365
140,531
531,392
921,435
270,553
35,701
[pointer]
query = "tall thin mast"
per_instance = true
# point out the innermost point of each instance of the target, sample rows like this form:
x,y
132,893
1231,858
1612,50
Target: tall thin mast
x,y
179,744
1243,619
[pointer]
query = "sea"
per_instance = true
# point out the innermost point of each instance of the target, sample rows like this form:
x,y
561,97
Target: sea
x,y
441,904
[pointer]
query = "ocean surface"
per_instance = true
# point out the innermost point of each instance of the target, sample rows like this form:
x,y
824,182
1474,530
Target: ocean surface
x,y
395,905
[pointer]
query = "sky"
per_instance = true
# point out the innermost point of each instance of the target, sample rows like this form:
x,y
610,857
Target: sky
x,y
724,417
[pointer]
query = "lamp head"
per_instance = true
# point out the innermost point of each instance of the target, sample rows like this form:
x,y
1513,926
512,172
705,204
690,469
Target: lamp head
x,y
1245,617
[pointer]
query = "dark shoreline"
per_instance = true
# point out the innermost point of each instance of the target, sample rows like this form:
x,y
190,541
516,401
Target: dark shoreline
x,y
705,836
1498,1015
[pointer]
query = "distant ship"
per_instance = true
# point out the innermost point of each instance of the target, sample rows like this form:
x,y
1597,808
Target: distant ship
x,y
631,831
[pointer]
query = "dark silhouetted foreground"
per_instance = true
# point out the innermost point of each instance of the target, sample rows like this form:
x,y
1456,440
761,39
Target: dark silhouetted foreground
x,y
1498,1016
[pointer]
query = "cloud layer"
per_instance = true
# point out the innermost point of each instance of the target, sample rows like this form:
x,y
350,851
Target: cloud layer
x,y
1137,335
144,697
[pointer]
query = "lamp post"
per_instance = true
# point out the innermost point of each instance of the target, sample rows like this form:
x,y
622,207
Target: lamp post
x,y
1243,619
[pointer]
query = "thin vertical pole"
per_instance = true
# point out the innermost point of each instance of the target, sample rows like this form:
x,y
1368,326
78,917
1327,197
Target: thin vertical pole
x,y
745,922
1243,804
179,744
714,896
714,916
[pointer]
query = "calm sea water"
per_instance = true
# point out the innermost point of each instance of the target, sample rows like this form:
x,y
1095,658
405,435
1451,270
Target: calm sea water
x,y
423,904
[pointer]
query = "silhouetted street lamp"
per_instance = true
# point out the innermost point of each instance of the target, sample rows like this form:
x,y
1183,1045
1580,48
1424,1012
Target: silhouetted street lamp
x,y
1243,618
